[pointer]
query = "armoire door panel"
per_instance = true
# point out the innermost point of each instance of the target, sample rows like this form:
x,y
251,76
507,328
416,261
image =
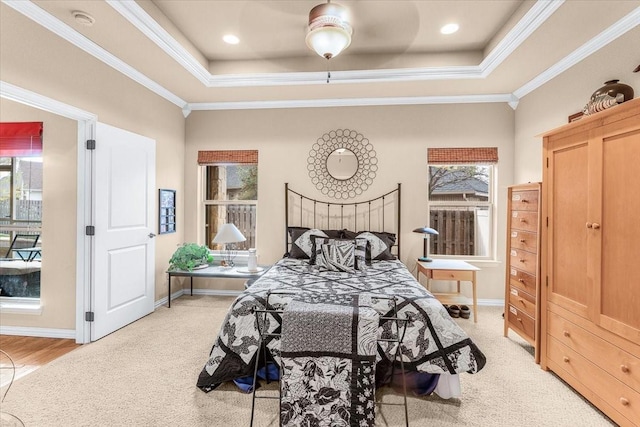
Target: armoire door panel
x,y
567,226
620,234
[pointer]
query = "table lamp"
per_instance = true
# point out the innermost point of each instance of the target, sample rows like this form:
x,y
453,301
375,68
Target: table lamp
x,y
427,231
228,234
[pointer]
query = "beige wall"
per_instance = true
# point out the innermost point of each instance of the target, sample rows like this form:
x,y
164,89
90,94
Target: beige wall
x,y
550,105
35,59
400,136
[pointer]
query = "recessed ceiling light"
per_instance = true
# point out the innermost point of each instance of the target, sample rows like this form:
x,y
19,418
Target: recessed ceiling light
x,y
449,29
231,39
83,18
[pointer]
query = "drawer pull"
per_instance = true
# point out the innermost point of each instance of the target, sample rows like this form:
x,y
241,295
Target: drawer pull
x,y
566,359
596,226
519,319
525,201
523,220
624,401
522,260
624,368
589,225
521,280
522,302
522,240
566,334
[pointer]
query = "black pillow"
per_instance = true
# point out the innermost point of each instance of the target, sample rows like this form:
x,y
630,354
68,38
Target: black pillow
x,y
301,244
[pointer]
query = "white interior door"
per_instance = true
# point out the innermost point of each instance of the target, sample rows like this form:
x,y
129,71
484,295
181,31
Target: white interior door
x,y
123,288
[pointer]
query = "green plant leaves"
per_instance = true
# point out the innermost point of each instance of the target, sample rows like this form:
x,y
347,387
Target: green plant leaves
x,y
189,256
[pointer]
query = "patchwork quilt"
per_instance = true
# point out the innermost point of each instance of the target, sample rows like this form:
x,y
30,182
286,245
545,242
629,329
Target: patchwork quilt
x,y
433,342
328,357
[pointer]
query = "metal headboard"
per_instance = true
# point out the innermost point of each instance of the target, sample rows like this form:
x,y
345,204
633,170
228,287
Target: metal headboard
x,y
379,214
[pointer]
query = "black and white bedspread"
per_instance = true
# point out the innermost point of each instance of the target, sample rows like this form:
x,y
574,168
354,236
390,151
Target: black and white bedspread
x,y
433,342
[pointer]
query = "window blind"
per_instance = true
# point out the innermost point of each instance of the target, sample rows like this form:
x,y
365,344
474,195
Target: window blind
x,y
21,139
220,157
453,156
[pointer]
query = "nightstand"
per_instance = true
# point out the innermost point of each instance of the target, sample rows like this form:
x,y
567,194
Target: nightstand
x,y
452,270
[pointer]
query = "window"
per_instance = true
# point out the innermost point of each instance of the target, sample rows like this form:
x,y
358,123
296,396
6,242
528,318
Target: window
x,y
461,201
230,194
20,208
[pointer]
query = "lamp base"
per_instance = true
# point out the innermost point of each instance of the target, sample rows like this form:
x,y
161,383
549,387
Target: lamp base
x,y
425,259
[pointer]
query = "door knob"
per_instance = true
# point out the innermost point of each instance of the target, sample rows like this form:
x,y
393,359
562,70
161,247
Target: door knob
x,y
595,225
151,235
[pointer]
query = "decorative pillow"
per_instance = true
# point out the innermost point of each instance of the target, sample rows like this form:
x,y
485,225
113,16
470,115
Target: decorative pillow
x,y
360,253
301,244
361,246
380,244
336,256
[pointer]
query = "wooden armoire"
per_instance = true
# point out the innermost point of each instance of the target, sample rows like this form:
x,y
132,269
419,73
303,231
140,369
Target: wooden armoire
x,y
590,299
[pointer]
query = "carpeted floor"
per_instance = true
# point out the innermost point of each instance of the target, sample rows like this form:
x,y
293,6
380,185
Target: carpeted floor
x,y
145,375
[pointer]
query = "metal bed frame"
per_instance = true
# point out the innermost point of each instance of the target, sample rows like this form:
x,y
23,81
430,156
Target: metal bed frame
x,y
370,215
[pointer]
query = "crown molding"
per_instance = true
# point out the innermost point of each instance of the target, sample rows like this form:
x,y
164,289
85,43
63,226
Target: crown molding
x,y
532,20
35,100
139,18
628,22
59,28
536,16
351,102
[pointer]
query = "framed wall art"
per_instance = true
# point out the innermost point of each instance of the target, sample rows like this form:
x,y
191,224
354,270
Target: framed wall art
x,y
167,211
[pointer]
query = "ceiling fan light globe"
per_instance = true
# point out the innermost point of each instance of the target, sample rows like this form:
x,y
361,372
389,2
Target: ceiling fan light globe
x,y
329,30
328,42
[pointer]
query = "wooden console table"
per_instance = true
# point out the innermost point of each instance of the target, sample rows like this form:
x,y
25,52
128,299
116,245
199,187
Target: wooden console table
x,y
238,272
454,270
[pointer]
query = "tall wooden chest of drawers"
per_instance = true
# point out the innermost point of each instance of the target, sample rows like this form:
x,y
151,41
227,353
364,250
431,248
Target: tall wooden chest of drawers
x,y
590,245
522,287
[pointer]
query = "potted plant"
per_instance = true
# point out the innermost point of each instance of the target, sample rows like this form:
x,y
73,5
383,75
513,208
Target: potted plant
x,y
190,256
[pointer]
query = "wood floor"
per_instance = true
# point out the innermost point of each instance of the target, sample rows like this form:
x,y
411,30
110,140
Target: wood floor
x,y
29,353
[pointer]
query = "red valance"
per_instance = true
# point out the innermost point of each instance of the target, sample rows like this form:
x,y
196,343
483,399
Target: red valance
x,y
21,139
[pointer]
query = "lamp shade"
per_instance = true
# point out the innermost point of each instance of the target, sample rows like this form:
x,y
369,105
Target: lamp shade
x,y
329,31
425,230
228,233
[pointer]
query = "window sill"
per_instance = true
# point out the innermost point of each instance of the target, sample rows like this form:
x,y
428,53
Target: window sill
x,y
13,305
242,257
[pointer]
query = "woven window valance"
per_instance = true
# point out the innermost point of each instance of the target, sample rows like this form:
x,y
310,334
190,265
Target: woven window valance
x,y
452,156
219,157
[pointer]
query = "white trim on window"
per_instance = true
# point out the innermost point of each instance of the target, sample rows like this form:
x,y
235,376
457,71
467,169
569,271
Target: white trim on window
x,y
490,204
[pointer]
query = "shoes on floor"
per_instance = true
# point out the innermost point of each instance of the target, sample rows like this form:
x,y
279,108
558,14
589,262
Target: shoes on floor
x,y
465,312
454,310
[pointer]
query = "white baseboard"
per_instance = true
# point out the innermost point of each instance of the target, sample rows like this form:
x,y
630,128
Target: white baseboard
x,y
38,332
491,302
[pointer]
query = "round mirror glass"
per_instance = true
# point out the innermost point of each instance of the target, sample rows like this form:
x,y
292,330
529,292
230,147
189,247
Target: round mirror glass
x,y
342,164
